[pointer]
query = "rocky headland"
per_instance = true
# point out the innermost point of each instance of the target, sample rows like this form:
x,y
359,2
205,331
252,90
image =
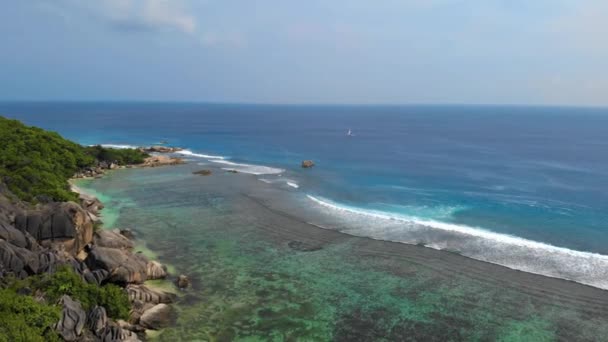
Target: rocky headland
x,y
63,277
40,239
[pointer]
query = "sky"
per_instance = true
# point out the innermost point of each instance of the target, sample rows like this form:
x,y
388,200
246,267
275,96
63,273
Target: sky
x,y
543,52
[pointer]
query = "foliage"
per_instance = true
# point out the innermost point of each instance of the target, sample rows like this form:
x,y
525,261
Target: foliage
x,y
119,156
66,282
36,164
24,319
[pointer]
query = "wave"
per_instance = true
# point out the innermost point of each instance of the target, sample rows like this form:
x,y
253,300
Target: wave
x,y
478,243
118,146
249,168
293,184
200,155
288,182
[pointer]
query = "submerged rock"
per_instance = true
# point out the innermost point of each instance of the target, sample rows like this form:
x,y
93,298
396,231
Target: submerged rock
x,y
182,281
307,164
303,246
203,172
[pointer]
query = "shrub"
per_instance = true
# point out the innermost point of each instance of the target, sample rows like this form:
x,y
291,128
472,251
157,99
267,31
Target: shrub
x,y
66,282
24,319
37,164
119,156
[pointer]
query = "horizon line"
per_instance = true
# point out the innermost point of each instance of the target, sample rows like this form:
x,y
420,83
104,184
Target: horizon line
x,y
309,104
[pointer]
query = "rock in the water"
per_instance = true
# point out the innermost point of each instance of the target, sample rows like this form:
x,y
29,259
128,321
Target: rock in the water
x,y
156,270
123,266
303,246
128,233
307,164
182,281
97,320
161,161
202,172
162,149
112,239
72,319
157,317
147,295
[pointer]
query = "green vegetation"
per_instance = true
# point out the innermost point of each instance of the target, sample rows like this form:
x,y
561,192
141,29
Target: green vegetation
x,y
66,282
119,156
24,319
36,164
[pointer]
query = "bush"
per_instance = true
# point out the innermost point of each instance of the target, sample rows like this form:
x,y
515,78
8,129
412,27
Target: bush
x,y
35,163
66,282
24,319
119,156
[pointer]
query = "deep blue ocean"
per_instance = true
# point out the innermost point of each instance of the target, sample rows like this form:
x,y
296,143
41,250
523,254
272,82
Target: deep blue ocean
x,y
504,184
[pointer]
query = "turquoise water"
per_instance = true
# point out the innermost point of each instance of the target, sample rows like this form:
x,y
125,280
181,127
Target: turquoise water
x,y
228,234
448,177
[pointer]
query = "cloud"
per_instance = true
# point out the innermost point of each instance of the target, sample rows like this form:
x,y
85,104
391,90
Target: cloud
x,y
136,15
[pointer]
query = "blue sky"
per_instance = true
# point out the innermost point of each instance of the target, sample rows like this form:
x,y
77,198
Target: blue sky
x,y
314,51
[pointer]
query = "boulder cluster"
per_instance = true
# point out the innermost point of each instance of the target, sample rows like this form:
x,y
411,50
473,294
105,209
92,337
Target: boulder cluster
x,y
38,239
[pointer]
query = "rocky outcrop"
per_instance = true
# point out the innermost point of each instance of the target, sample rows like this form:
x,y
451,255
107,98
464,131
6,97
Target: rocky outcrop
x,y
156,270
65,222
97,320
160,149
157,317
112,239
72,321
123,266
307,164
144,294
161,160
182,282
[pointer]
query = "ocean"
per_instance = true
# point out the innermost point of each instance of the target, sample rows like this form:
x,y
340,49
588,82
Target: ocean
x,y
521,187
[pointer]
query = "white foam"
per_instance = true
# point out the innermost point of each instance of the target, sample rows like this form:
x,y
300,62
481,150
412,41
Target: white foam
x,y
507,250
293,185
200,155
117,146
249,168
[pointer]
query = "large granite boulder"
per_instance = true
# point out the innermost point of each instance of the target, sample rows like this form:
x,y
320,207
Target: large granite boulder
x,y
97,320
157,317
17,260
123,266
112,239
72,321
146,295
115,333
156,270
65,222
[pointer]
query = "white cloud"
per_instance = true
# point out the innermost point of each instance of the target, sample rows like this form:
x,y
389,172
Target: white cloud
x,y
137,14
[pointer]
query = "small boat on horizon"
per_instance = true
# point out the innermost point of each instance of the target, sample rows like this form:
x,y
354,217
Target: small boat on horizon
x,y
350,133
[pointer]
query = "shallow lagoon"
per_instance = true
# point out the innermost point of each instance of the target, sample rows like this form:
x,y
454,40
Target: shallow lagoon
x,y
260,273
